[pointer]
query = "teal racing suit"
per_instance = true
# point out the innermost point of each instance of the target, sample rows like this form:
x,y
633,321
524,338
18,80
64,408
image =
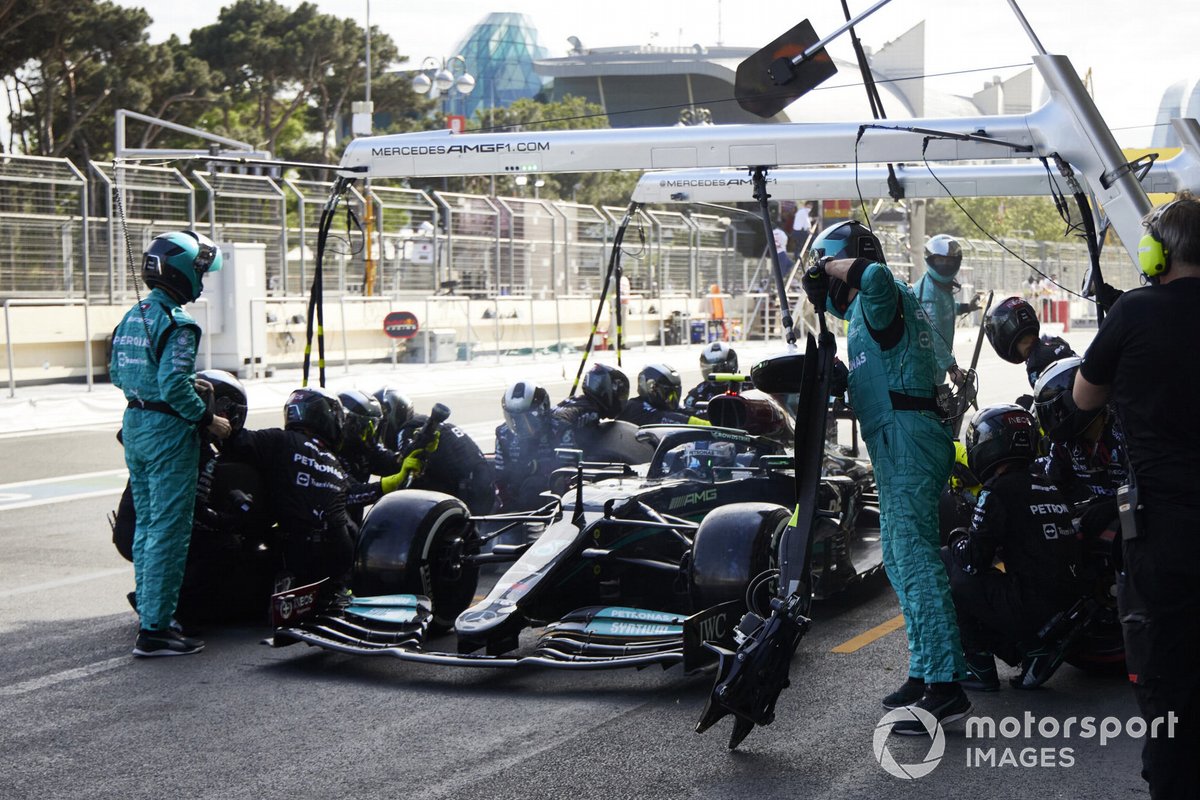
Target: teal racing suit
x,y
937,298
891,383
153,363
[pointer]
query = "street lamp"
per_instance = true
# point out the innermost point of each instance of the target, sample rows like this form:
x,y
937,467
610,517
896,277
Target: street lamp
x,y
442,78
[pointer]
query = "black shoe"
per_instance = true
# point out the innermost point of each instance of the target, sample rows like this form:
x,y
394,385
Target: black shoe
x,y
981,673
1037,667
165,643
909,692
946,702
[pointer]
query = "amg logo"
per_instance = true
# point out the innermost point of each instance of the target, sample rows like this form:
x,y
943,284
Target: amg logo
x,y
693,182
691,498
441,150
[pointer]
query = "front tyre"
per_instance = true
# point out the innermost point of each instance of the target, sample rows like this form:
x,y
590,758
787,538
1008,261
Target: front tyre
x,y
733,545
415,542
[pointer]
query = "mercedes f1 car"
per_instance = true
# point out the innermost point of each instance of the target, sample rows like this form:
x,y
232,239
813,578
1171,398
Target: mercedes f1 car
x,y
629,567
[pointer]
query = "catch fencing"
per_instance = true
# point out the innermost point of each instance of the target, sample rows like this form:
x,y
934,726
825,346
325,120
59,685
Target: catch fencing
x,y
63,234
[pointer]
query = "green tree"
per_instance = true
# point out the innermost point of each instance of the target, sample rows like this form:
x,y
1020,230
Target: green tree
x,y
1025,217
67,65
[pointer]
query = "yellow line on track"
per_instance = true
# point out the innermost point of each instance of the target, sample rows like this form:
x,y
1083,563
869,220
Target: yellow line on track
x,y
866,637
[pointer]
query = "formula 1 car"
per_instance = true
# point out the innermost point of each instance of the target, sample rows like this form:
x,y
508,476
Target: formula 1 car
x,y
629,567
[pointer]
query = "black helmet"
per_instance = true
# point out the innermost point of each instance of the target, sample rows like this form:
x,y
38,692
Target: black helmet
x,y
661,386
1060,418
848,239
1007,324
608,388
397,410
316,411
999,435
943,257
526,408
363,417
229,397
717,357
178,261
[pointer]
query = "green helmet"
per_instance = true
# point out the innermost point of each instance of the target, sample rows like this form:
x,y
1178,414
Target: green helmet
x,y
177,262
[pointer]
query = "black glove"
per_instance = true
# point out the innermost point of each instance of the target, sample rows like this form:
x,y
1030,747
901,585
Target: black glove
x,y
1106,295
816,285
959,544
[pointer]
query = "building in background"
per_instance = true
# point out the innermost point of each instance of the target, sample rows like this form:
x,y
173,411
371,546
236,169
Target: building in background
x,y
1181,99
647,85
500,52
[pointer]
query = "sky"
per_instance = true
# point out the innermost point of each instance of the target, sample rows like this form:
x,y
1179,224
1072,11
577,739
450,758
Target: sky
x,y
1134,49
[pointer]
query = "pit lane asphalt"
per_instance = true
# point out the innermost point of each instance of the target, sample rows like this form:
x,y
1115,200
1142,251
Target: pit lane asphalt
x,y
80,718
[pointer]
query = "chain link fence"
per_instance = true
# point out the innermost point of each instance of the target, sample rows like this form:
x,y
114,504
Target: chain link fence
x,y
62,234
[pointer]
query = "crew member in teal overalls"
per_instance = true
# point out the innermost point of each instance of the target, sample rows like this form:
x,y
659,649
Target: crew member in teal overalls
x,y
153,363
935,291
892,389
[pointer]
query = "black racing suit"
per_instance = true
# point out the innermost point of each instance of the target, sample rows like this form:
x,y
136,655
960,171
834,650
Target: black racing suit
x,y
640,411
364,459
456,468
1045,351
1024,519
523,465
1087,470
308,493
573,417
702,392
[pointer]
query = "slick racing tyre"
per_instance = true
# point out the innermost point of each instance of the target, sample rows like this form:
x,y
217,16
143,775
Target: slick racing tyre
x,y
414,542
733,545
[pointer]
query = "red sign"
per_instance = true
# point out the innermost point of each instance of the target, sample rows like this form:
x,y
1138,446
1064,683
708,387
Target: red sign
x,y
401,325
456,122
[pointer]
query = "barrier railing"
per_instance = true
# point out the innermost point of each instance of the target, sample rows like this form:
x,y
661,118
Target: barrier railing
x,y
8,341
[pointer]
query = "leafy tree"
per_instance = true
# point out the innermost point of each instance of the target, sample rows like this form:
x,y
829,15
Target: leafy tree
x,y
68,65
1024,217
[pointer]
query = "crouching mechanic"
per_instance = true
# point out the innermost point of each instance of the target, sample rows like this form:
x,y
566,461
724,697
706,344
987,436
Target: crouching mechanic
x,y
153,363
457,468
657,400
309,490
892,388
524,449
1022,518
605,390
1086,458
717,357
1014,332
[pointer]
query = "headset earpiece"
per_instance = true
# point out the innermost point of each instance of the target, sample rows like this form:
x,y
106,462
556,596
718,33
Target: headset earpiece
x,y
1153,257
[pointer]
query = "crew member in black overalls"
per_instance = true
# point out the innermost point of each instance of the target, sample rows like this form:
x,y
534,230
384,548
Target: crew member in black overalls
x,y
1145,362
1022,518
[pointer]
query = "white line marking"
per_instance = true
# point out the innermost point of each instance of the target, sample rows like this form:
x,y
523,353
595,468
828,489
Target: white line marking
x,y
89,576
63,479
45,501
46,681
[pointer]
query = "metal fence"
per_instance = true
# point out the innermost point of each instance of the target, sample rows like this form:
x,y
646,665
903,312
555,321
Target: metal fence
x,y
62,234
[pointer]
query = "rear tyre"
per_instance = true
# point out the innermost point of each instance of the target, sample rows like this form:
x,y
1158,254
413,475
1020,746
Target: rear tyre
x,y
733,545
415,542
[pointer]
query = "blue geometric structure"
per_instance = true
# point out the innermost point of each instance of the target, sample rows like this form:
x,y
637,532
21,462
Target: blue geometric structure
x,y
500,52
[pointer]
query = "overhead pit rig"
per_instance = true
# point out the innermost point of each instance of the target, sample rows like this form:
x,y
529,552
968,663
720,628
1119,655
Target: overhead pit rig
x,y
1068,126
978,154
